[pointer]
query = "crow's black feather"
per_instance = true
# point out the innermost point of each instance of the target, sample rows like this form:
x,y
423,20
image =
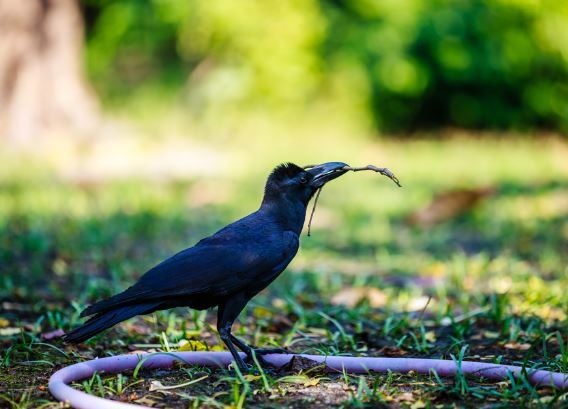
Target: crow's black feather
x,y
226,269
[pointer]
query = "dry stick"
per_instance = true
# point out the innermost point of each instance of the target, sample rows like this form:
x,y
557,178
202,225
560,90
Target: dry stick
x,y
313,210
424,309
383,171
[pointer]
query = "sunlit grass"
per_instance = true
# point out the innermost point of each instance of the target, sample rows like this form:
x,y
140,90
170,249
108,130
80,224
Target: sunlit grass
x,y
492,280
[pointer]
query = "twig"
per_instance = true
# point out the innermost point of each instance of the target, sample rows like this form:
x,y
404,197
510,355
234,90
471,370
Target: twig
x,y
313,210
424,309
383,171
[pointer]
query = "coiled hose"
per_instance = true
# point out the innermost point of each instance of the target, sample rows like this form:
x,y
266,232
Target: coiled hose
x,y
59,381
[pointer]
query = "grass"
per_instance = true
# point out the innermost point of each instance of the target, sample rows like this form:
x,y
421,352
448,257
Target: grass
x,y
489,284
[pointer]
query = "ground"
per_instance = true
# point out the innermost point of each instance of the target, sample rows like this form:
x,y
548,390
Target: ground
x,y
467,261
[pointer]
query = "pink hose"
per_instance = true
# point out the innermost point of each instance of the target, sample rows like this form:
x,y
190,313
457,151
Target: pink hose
x,y
58,383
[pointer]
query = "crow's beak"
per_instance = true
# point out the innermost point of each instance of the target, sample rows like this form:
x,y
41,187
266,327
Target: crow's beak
x,y
325,172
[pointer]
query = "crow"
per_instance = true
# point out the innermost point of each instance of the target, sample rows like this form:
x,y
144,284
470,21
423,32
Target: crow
x,y
226,269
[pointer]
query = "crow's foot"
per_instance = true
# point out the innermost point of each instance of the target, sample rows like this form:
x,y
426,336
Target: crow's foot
x,y
266,351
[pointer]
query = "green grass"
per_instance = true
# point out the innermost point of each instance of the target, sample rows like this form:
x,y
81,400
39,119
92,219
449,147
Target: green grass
x,y
495,276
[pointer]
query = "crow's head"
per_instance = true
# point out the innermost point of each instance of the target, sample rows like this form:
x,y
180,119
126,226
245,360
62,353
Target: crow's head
x,y
292,182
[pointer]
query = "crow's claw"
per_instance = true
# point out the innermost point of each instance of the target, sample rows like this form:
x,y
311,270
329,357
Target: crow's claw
x,y
266,351
259,358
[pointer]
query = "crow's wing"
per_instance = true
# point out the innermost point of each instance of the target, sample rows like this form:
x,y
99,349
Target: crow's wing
x,y
214,267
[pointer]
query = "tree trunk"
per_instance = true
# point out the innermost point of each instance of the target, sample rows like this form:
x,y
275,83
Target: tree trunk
x,y
42,88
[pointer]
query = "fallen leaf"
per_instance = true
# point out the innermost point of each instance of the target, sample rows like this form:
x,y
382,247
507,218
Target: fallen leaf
x,y
516,345
544,400
349,297
391,351
352,296
405,397
155,386
448,205
312,382
191,345
145,400
376,298
430,336
419,404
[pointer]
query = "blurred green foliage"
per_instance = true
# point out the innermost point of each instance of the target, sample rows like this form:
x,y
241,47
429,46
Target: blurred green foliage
x,y
404,64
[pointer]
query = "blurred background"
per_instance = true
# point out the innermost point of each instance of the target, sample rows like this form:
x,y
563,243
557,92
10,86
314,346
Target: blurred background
x,y
130,129
124,123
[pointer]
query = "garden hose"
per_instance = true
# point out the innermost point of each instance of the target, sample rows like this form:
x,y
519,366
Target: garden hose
x,y
59,381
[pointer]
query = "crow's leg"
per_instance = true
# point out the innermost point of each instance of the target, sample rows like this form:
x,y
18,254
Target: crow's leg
x,y
247,349
258,351
226,315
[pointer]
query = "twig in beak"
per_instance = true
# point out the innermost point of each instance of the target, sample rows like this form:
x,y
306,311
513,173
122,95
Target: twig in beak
x,y
314,210
383,171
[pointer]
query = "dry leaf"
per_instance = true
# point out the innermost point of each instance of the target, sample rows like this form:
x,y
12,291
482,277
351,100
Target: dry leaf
x,y
419,404
352,296
191,345
430,336
376,298
516,345
156,386
405,397
312,382
447,205
391,351
146,400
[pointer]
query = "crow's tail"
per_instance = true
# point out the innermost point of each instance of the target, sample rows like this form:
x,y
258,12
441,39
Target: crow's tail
x,y
107,319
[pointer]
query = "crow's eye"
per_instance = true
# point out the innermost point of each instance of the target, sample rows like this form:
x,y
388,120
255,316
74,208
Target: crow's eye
x,y
303,179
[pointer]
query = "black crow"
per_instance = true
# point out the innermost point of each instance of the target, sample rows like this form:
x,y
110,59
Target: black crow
x,y
228,268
